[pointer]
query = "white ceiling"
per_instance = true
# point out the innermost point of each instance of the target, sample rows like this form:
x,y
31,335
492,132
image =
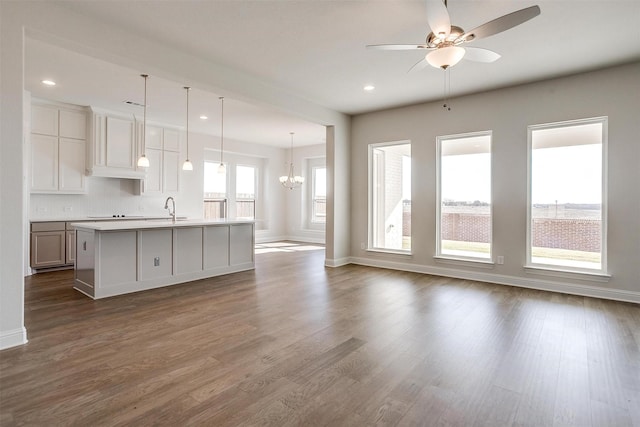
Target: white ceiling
x,y
316,49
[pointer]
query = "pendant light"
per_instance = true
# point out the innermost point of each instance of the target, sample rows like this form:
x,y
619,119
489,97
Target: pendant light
x,y
222,169
143,161
291,180
187,165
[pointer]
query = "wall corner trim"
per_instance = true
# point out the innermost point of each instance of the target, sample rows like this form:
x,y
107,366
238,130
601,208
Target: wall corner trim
x,y
337,262
13,338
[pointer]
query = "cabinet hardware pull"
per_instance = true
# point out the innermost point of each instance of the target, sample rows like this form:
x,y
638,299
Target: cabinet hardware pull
x,y
84,246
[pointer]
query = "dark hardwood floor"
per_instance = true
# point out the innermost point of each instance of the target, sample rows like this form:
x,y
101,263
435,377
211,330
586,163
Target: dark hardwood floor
x,y
296,344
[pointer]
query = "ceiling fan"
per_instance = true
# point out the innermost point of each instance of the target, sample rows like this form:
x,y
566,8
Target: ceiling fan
x,y
445,41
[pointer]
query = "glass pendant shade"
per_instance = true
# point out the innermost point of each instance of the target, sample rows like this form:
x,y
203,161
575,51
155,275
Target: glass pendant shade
x,y
187,165
143,161
222,169
445,57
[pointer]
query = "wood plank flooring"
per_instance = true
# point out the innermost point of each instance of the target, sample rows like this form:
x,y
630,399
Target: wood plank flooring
x,y
296,344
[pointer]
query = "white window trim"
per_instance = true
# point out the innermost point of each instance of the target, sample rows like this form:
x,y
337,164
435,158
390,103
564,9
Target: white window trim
x,y
308,213
561,270
370,225
439,255
256,182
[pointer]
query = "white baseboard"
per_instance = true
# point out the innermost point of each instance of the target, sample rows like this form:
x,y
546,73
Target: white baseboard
x,y
269,239
500,279
13,338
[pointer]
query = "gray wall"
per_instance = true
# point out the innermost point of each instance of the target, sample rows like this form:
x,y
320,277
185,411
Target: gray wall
x,y
613,92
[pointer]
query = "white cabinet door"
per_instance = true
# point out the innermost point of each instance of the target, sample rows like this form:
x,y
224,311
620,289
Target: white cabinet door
x,y
170,171
215,247
153,179
241,246
73,124
120,143
187,253
171,140
71,158
44,163
155,250
154,137
44,120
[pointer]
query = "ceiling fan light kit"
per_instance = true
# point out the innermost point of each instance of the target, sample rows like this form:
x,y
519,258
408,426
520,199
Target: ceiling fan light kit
x,y
445,57
445,40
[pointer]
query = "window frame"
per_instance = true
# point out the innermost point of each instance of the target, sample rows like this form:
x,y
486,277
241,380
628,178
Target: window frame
x,y
237,199
223,200
439,255
529,264
371,214
313,216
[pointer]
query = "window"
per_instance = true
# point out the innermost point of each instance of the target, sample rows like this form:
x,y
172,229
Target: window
x,y
245,192
464,196
215,192
566,219
319,194
390,197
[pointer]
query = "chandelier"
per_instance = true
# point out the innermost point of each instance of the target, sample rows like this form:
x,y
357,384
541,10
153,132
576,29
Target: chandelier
x,y
291,180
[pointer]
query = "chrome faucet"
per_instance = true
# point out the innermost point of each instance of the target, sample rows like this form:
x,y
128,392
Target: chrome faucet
x,y
166,206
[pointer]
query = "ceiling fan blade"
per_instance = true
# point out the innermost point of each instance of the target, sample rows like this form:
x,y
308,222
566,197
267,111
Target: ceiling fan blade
x,y
438,17
501,24
420,65
397,46
479,54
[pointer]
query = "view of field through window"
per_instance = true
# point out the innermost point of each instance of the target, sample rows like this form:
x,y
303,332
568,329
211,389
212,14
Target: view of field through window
x,y
465,196
566,196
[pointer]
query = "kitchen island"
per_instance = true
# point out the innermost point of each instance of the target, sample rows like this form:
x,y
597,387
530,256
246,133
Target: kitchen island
x,y
120,257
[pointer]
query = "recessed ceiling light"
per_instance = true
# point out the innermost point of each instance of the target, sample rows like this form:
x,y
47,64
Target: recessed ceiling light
x,y
369,88
203,117
49,82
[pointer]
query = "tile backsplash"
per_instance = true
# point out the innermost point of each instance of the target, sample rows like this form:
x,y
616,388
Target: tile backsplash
x,y
105,196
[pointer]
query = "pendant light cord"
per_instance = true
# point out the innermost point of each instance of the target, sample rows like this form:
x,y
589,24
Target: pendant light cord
x,y
144,117
221,129
187,88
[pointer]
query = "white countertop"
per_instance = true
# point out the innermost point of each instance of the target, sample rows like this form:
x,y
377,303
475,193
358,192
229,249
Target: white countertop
x,y
159,223
99,218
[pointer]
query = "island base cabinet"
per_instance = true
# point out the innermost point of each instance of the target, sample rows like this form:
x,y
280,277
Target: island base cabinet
x,y
117,254
188,250
85,262
118,261
216,247
241,245
154,254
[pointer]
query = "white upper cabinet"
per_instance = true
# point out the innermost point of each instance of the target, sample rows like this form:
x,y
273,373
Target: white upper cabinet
x,y
73,124
120,143
44,120
113,150
58,147
163,152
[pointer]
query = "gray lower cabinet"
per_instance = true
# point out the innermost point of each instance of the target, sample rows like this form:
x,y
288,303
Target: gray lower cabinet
x,y
48,244
53,244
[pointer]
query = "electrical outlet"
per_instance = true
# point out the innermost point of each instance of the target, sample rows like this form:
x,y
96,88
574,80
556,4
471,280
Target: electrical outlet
x,y
500,259
67,208
362,245
156,261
